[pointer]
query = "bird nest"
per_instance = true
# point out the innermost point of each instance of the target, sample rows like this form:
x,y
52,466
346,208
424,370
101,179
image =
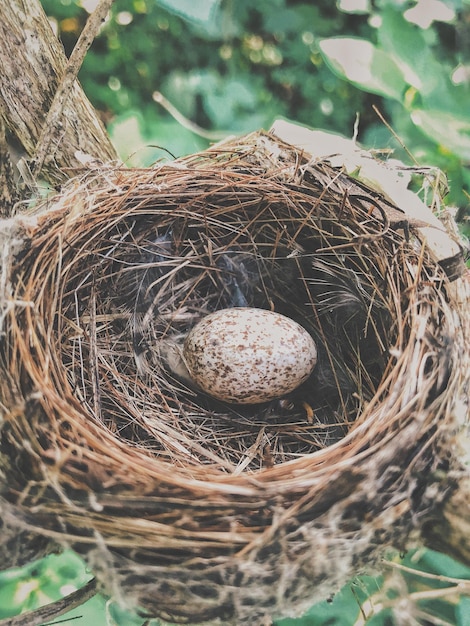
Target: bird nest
x,y
184,506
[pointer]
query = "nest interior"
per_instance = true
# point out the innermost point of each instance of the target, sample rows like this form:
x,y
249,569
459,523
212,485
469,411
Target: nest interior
x,y
189,508
232,241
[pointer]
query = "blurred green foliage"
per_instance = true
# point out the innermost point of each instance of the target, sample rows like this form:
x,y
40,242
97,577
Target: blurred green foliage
x,y
232,66
234,72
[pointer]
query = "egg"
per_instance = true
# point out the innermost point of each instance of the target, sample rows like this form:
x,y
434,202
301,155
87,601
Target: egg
x,y
246,355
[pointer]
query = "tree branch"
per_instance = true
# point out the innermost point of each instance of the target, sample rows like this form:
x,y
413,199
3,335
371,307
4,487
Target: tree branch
x,y
9,195
33,64
52,129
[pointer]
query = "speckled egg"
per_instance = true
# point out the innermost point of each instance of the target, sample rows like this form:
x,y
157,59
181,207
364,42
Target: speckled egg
x,y
247,355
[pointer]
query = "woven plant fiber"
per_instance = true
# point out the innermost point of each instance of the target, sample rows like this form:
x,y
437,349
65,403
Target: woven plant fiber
x,y
185,507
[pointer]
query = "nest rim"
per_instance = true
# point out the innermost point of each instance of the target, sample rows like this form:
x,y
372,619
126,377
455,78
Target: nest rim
x,y
365,416
400,412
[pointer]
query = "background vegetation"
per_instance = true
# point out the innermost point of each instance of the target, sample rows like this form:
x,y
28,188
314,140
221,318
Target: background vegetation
x,y
232,66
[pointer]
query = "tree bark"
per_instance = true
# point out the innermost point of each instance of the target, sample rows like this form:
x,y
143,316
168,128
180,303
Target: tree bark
x,y
33,64
9,195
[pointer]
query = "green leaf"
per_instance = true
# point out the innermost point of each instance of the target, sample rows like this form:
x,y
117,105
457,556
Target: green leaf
x,y
364,65
140,143
446,129
354,6
408,46
425,12
11,602
439,563
119,616
231,99
202,11
463,611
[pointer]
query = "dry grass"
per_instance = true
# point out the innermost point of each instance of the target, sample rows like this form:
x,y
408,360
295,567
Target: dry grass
x,y
191,508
